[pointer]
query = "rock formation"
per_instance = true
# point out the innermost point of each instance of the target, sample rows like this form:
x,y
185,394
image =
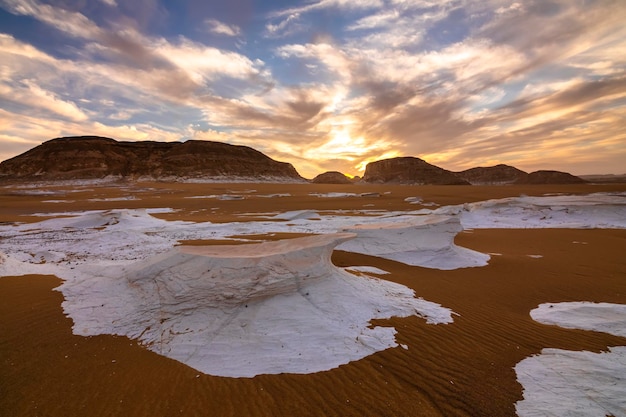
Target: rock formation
x,y
409,170
496,175
331,177
423,241
92,157
245,310
550,177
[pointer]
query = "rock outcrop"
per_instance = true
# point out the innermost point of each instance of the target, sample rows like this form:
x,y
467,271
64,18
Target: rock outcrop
x,y
550,177
331,177
409,170
496,175
93,157
426,241
245,310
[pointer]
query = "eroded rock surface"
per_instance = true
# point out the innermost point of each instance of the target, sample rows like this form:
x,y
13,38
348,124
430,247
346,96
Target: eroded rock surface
x,y
409,170
244,310
93,157
425,241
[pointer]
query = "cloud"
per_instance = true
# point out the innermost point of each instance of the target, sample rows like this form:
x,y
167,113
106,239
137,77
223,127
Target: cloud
x,y
577,97
219,28
204,63
290,22
383,19
461,82
345,5
288,26
72,23
28,93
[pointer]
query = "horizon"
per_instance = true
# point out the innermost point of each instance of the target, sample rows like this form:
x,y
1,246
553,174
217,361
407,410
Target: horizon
x,y
326,85
330,170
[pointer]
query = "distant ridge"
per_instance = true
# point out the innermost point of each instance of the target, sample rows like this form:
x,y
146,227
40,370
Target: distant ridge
x,y
331,177
496,175
101,158
604,178
551,177
94,157
409,170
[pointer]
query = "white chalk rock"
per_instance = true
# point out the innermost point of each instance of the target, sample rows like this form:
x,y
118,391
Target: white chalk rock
x,y
297,214
245,310
426,241
566,383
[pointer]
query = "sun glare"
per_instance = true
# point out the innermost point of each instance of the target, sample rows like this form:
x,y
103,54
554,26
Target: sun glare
x,y
341,145
439,157
361,165
344,144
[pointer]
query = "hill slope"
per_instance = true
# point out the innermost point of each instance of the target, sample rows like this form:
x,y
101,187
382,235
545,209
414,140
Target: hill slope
x,y
93,157
496,175
550,177
409,170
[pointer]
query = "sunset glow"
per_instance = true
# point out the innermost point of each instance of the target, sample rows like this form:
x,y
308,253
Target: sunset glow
x,y
325,85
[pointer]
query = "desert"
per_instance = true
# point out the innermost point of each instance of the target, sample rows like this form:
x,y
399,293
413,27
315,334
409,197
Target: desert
x,y
471,346
312,208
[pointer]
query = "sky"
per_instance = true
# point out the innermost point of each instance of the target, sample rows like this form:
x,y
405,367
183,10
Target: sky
x,y
325,84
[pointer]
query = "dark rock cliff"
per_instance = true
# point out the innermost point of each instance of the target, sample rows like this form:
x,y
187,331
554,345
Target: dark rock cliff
x,y
496,175
409,170
92,157
331,177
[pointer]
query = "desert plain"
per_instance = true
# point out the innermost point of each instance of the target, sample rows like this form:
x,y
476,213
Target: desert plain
x,y
463,368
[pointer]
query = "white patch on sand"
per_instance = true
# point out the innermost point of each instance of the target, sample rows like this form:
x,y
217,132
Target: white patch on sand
x,y
568,383
126,198
367,270
599,210
277,195
218,197
426,241
210,196
296,214
599,317
88,249
344,195
241,311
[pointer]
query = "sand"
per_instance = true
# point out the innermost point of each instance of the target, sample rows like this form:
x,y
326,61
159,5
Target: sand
x,y
464,369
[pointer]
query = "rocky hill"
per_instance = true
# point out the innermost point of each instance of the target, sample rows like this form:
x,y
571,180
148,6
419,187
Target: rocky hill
x,y
93,157
331,177
409,170
506,174
551,177
496,175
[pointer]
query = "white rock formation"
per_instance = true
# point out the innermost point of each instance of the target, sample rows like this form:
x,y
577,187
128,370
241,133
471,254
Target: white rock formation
x,y
599,317
599,210
245,310
563,383
426,241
